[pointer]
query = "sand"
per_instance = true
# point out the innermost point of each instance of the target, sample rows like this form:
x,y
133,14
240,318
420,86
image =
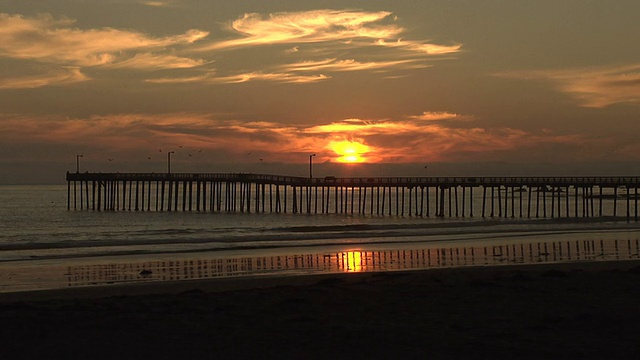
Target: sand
x,y
555,311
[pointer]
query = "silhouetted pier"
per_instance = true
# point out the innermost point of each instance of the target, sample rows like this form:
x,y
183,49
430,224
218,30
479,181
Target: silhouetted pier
x,y
524,197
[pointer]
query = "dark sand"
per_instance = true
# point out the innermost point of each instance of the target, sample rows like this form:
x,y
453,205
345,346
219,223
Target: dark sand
x,y
555,311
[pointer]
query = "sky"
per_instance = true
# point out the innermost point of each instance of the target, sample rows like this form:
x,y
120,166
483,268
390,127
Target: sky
x,y
372,88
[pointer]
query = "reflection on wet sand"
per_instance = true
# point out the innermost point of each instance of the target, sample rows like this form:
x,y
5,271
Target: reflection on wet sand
x,y
356,260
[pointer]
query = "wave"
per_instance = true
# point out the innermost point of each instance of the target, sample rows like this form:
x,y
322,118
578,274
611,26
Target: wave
x,y
176,240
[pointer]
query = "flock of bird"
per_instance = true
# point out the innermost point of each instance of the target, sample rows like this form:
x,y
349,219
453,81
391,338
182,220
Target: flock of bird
x,y
188,154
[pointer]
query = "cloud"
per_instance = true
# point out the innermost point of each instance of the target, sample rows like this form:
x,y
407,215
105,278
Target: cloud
x,y
307,27
422,137
351,65
346,29
61,76
413,124
149,61
426,48
211,78
277,77
591,87
348,40
437,116
204,78
158,3
362,127
290,73
404,140
51,40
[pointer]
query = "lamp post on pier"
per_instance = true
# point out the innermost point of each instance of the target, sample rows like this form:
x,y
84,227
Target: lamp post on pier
x,y
169,161
78,156
311,165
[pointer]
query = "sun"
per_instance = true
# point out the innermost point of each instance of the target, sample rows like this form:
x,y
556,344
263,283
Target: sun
x,y
349,151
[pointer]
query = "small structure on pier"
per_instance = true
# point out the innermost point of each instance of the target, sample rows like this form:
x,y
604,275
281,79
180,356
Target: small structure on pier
x,y
524,197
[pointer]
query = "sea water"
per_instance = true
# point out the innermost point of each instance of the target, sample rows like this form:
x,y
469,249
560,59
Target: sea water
x,y
44,245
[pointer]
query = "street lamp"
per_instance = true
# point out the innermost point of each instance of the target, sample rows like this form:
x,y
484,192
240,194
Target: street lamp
x,y
169,161
78,163
311,165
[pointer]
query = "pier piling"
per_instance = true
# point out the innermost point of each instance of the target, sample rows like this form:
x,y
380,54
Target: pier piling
x,y
385,196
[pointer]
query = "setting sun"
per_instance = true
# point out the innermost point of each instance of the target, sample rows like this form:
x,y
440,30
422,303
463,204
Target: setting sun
x,y
349,151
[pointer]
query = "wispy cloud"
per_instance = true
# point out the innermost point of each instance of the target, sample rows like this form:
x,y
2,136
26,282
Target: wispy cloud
x,y
402,140
149,61
299,73
311,46
362,128
307,27
422,137
351,65
439,115
426,48
592,87
211,78
61,76
346,40
54,42
158,3
51,40
349,28
277,77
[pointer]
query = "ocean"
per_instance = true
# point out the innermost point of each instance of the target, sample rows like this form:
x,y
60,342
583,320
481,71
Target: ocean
x,y
45,246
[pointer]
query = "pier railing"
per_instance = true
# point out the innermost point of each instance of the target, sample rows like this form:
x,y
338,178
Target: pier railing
x,y
400,196
606,181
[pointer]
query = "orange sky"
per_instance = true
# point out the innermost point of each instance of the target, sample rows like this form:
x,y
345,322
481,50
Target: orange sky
x,y
260,86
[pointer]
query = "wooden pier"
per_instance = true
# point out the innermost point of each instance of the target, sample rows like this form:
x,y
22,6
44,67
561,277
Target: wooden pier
x,y
501,197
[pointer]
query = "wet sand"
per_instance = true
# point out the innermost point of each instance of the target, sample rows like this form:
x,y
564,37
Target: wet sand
x,y
582,310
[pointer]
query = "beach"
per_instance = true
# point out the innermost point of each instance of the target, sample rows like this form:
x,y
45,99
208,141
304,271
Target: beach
x,y
563,310
134,285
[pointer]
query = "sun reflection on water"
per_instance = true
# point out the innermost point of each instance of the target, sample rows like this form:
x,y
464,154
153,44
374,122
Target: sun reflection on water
x,y
353,261
427,256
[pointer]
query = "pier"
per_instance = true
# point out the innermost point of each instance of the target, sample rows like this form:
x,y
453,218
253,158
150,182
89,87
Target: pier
x,y
493,197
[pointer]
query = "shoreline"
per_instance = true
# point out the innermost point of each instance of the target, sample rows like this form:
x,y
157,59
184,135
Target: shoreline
x,y
586,310
227,284
514,249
